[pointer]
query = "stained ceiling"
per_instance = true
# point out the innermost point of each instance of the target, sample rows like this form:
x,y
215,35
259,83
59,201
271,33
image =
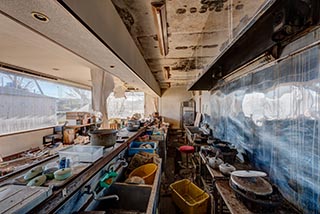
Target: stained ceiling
x,y
197,32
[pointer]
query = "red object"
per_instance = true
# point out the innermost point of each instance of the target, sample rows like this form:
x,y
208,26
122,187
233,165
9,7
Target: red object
x,y
186,149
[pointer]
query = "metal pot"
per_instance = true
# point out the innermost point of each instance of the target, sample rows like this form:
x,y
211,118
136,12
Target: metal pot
x,y
133,125
103,137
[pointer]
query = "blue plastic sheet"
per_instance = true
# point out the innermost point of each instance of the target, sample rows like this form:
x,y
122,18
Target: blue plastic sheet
x,y
274,115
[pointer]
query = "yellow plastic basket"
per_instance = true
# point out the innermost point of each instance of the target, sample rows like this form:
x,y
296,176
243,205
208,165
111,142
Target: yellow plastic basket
x,y
189,198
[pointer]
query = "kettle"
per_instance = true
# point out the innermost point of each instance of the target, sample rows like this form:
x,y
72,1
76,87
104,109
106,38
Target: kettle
x,y
226,168
214,162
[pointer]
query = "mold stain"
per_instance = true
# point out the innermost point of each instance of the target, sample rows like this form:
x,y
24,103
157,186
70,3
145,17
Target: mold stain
x,y
216,5
239,7
155,37
210,46
181,10
193,9
186,64
181,47
203,9
126,17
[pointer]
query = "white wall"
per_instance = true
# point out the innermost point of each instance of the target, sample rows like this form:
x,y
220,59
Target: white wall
x,y
12,144
170,103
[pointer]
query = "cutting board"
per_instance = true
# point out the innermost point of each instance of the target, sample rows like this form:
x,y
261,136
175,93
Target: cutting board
x,y
21,199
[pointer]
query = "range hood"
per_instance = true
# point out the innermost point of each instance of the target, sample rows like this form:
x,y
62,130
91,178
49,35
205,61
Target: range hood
x,y
277,24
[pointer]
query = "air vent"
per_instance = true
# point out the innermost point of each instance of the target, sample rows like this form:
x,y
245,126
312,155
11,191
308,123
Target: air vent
x,y
26,71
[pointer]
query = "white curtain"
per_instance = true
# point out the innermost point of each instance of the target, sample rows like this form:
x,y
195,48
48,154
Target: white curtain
x,y
102,86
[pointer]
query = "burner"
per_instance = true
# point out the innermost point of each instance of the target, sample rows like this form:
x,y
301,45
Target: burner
x,y
264,203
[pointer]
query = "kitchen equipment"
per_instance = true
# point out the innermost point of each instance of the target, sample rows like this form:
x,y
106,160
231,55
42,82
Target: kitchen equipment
x,y
256,185
62,174
82,153
245,188
49,172
37,181
249,173
226,168
214,162
33,172
103,137
133,125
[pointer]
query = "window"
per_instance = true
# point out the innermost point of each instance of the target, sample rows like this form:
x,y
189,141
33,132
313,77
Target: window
x,y
132,103
29,102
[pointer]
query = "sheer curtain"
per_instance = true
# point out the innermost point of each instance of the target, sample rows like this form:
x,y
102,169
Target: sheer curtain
x,y
102,86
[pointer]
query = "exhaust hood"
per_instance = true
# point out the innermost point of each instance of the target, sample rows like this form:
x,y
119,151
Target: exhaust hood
x,y
277,24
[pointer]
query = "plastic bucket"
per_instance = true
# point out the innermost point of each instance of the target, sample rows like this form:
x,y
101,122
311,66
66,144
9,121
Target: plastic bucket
x,y
147,172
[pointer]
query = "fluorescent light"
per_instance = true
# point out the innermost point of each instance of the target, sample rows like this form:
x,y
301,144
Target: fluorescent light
x,y
160,19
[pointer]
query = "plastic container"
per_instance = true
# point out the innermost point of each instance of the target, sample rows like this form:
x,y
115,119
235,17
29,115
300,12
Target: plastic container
x,y
135,147
82,153
189,198
158,137
147,172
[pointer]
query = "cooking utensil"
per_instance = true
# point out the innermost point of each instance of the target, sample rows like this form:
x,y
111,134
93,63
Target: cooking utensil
x,y
256,185
33,172
62,174
226,168
103,137
214,162
37,181
258,203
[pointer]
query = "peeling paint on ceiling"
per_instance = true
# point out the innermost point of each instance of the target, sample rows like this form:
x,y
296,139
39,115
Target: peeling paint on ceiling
x,y
197,32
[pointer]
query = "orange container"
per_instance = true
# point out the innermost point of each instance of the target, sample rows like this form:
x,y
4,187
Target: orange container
x,y
147,172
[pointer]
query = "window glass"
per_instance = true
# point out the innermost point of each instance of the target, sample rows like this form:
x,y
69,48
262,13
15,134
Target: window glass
x,y
29,102
124,107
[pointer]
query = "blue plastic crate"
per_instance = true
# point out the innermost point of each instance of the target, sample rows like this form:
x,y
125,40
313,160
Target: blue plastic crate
x,y
134,147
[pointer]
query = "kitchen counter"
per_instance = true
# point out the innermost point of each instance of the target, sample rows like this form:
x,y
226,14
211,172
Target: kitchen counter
x,y
224,194
73,188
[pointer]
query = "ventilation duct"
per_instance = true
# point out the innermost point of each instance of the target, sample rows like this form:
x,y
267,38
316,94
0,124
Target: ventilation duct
x,y
279,23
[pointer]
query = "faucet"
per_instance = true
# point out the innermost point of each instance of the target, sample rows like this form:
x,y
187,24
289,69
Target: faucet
x,y
95,196
121,161
114,196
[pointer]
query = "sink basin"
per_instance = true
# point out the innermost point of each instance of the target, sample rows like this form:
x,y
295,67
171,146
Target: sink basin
x,y
132,199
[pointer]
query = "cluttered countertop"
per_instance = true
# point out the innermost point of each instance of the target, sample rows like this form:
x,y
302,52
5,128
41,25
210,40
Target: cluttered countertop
x,y
54,192
241,188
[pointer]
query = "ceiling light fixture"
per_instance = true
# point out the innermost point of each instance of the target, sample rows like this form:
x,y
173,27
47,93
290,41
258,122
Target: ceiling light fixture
x,y
160,19
40,17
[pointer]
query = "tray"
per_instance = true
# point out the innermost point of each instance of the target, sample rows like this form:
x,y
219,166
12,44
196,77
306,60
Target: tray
x,y
135,147
82,153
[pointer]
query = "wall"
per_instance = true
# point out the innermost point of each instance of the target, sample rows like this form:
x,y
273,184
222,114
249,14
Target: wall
x,y
273,113
170,104
12,144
